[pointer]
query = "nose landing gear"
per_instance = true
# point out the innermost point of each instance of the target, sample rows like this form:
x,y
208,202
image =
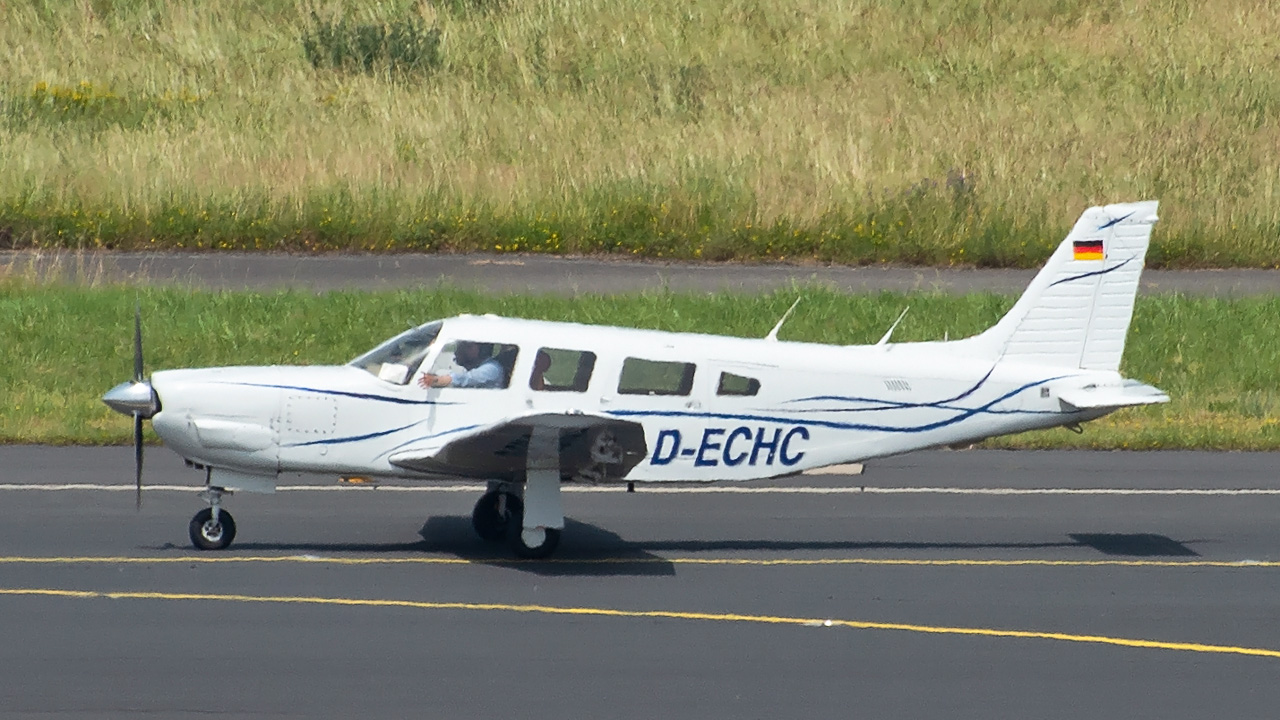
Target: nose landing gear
x,y
212,528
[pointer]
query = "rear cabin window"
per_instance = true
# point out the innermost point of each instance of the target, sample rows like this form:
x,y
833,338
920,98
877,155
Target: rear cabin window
x,y
472,364
731,384
655,377
559,370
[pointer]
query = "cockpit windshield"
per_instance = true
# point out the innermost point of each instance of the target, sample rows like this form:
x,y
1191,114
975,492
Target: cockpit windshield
x,y
398,358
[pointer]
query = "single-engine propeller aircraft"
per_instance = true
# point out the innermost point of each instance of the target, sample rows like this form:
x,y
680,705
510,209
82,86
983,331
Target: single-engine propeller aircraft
x,y
529,405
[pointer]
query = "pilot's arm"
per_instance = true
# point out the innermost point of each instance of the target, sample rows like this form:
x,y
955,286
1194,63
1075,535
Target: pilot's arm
x,y
486,375
428,380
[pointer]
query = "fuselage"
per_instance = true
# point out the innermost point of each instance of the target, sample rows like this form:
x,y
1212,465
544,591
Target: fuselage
x,y
712,407
526,406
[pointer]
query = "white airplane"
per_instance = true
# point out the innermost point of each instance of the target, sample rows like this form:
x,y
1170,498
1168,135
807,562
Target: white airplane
x,y
529,405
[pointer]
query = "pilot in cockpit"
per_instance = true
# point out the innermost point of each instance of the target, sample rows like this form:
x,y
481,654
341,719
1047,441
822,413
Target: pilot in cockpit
x,y
480,369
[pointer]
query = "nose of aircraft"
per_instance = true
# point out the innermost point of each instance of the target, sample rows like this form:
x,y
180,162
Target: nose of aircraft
x,y
133,398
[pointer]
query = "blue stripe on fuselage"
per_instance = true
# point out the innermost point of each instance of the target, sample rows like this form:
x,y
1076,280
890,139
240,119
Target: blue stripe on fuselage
x,y
355,438
341,393
964,414
894,404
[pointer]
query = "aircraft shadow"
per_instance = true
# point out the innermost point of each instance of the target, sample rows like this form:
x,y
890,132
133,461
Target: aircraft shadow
x,y
585,550
1141,545
1135,545
588,550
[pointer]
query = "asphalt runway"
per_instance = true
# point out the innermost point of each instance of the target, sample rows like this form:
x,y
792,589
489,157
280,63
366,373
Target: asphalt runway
x,y
560,275
970,584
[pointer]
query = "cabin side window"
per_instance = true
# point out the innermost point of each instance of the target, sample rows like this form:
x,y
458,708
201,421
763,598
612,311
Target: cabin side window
x,y
559,370
655,377
471,364
739,385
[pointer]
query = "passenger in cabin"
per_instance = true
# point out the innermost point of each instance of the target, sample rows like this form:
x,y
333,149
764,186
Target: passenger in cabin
x,y
481,369
541,362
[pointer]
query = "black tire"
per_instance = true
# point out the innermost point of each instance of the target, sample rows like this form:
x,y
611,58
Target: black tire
x,y
207,535
490,524
515,538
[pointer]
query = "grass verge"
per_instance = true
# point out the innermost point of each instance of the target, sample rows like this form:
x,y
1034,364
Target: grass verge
x,y
64,346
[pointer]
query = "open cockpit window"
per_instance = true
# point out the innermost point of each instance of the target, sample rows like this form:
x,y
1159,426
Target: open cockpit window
x,y
472,364
731,384
398,358
556,370
655,377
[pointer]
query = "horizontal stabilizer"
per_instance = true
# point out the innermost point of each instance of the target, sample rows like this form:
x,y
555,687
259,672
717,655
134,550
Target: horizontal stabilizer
x,y
1130,393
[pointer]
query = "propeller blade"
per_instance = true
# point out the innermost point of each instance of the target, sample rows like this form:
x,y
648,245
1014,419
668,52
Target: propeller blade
x,y
137,457
137,342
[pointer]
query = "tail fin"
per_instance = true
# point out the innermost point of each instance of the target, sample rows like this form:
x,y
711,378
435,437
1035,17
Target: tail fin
x,y
1076,312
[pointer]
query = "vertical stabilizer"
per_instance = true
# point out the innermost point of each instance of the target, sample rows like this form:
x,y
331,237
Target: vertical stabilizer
x,y
1076,312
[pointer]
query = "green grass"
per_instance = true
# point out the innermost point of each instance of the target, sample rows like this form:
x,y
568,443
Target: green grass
x,y
964,132
65,346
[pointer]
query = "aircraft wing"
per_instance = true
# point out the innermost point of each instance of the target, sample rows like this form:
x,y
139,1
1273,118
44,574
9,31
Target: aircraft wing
x,y
593,448
1130,393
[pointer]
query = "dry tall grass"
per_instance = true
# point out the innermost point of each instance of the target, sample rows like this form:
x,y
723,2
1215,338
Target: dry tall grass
x,y
854,130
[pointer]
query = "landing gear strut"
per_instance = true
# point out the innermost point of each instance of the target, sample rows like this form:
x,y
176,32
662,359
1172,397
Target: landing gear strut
x,y
532,543
212,528
535,533
499,515
529,516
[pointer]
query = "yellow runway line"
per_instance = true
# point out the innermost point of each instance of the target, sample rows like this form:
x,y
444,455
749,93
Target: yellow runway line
x,y
662,614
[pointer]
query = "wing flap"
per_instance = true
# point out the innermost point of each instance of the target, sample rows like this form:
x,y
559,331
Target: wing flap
x,y
593,448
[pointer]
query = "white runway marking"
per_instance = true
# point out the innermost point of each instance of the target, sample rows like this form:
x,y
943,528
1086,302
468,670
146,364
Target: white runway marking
x,y
680,489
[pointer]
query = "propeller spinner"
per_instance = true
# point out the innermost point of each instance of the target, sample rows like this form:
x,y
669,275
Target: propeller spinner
x,y
136,398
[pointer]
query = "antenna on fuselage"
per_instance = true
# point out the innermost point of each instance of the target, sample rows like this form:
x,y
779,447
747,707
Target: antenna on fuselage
x,y
885,340
773,334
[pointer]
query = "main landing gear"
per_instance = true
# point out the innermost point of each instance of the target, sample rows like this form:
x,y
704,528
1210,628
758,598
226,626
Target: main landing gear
x,y
529,515
212,528
499,515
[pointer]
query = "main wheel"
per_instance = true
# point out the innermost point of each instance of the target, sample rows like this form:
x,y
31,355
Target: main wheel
x,y
533,544
206,534
492,516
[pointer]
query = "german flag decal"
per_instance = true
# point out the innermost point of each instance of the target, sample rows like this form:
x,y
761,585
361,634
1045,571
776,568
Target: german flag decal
x,y
1087,249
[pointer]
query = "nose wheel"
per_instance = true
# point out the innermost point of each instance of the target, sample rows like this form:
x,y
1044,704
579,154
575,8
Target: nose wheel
x,y
212,528
209,533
